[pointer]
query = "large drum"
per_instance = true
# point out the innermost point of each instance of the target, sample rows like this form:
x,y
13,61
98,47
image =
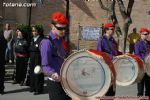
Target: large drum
x,y
87,75
129,69
147,64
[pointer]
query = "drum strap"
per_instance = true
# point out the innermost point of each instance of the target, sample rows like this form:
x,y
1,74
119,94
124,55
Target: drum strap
x,y
53,44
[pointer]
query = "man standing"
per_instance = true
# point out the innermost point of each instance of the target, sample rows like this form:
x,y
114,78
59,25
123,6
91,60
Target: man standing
x,y
53,52
8,34
3,44
132,38
141,49
107,44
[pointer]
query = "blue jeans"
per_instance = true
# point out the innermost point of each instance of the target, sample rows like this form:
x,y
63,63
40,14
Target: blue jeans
x,y
9,52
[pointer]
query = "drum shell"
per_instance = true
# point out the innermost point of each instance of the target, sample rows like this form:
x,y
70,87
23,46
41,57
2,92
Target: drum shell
x,y
147,64
138,66
96,55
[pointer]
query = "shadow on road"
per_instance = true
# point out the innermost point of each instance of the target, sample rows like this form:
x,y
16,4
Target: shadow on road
x,y
27,89
17,90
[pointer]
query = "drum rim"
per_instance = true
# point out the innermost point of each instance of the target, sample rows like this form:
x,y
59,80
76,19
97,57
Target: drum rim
x,y
71,93
146,58
136,69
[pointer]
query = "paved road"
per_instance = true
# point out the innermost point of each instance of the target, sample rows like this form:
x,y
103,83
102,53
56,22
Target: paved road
x,y
16,92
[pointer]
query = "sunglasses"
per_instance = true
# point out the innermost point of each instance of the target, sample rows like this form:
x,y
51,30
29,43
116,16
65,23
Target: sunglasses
x,y
60,28
145,34
110,28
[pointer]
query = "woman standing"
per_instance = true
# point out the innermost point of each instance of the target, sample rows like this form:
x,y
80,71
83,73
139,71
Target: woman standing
x,y
36,80
21,51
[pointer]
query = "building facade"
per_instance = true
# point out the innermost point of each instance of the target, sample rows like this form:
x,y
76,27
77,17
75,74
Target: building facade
x,y
85,12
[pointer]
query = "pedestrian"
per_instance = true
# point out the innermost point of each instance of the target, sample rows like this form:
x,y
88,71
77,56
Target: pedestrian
x,y
3,45
141,49
53,51
106,43
132,38
21,51
9,36
36,80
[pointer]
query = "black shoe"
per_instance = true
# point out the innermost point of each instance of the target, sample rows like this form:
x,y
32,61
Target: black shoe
x,y
31,91
22,84
1,92
14,82
36,93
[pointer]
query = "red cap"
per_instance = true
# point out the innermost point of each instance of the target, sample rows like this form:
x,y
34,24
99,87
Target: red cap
x,y
107,25
59,18
143,29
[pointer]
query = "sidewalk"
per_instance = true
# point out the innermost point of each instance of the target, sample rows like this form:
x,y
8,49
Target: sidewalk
x,y
17,92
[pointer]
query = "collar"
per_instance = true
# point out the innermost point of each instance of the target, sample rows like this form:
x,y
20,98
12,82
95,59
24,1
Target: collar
x,y
105,37
143,40
52,35
36,37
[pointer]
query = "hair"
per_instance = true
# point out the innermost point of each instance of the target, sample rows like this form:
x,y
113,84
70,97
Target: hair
x,y
24,34
104,30
39,29
53,22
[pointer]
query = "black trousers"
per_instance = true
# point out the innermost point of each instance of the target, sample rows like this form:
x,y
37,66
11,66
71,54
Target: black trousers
x,y
2,75
110,92
36,82
21,69
140,86
56,91
131,48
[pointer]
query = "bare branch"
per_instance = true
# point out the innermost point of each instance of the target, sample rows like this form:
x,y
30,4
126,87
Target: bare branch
x,y
102,5
122,9
130,5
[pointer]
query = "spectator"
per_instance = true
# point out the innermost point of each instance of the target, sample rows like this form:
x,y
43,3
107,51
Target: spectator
x,y
3,45
8,34
21,50
36,80
132,38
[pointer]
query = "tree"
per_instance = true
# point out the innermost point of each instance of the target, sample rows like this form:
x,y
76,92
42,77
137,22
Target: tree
x,y
126,15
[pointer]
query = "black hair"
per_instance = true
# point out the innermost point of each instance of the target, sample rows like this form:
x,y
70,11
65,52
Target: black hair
x,y
23,31
39,29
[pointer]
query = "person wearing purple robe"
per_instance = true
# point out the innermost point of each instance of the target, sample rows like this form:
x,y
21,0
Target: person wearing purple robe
x,y
107,44
141,50
53,53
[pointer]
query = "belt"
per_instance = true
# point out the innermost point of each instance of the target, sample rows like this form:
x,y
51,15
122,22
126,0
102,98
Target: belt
x,y
21,55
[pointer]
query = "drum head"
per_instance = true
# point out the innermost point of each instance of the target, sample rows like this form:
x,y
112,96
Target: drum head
x,y
147,65
126,70
85,76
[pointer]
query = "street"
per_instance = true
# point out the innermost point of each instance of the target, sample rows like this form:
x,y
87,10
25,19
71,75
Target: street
x,y
17,92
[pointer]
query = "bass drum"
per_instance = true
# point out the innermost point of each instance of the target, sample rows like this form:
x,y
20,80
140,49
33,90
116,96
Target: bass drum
x,y
87,75
129,69
147,64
